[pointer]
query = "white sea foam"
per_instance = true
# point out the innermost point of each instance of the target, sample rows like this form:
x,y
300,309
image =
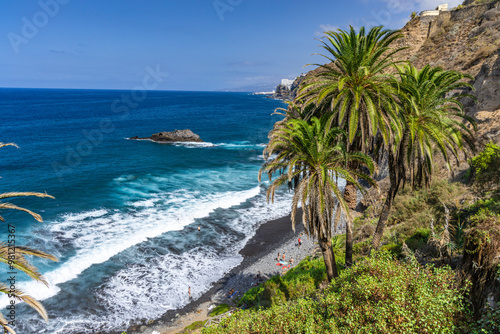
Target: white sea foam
x,y
178,143
193,144
99,234
84,215
257,158
146,291
236,145
149,289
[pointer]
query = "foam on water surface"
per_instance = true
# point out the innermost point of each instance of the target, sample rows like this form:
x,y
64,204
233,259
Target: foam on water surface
x,y
154,284
98,235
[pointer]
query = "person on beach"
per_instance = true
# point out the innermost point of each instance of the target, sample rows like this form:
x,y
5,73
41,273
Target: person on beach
x,y
291,260
189,291
300,242
278,258
199,228
258,276
231,292
283,257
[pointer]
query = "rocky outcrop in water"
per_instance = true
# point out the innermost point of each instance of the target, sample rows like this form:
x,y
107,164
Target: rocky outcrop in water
x,y
173,136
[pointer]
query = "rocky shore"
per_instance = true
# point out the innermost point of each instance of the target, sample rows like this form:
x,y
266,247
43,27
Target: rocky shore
x,y
259,255
172,137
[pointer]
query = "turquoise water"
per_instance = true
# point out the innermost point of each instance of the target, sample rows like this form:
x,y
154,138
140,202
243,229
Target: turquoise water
x,y
125,215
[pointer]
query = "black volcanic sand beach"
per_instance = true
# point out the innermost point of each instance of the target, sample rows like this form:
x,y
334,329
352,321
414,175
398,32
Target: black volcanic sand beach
x,y
259,255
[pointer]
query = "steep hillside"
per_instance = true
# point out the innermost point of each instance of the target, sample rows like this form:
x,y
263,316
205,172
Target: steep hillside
x,y
465,39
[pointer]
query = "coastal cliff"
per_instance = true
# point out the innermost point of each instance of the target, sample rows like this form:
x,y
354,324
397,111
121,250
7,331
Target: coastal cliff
x,y
288,93
465,39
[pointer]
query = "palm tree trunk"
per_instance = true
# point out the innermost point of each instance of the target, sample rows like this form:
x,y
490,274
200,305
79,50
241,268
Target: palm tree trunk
x,y
384,215
395,171
350,194
329,257
348,243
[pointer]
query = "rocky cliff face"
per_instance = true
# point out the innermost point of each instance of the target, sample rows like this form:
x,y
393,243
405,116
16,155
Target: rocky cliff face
x,y
284,93
467,40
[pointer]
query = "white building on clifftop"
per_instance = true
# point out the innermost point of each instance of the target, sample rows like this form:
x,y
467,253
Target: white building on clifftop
x,y
440,8
287,83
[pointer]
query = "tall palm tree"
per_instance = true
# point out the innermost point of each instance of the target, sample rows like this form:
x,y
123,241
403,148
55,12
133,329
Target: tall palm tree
x,y
356,86
433,119
14,256
311,157
357,89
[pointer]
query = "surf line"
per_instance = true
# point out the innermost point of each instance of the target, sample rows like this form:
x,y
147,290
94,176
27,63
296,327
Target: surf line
x,y
11,256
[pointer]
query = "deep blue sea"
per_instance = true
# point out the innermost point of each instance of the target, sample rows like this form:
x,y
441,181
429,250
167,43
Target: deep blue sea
x,y
125,215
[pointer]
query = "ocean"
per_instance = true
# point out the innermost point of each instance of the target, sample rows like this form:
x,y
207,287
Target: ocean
x,y
124,221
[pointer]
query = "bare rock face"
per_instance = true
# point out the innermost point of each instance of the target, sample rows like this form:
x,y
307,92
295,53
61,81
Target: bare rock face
x,y
487,91
173,136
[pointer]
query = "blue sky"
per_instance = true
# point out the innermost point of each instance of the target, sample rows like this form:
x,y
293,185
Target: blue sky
x,y
201,44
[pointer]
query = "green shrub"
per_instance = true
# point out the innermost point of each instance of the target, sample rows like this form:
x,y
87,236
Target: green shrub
x,y
418,238
489,323
392,248
362,248
388,296
482,210
485,167
195,325
219,309
377,295
301,317
300,281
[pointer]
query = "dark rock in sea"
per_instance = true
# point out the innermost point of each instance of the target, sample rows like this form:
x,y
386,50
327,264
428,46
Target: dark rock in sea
x,y
173,136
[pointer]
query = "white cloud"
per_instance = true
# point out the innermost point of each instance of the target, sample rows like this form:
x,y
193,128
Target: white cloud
x,y
326,27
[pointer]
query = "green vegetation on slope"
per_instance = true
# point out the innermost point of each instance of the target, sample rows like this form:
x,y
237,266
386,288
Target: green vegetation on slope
x,y
301,281
219,309
377,295
383,294
485,168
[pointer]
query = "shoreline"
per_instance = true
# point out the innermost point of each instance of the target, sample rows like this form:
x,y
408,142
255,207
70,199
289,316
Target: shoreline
x,y
259,254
